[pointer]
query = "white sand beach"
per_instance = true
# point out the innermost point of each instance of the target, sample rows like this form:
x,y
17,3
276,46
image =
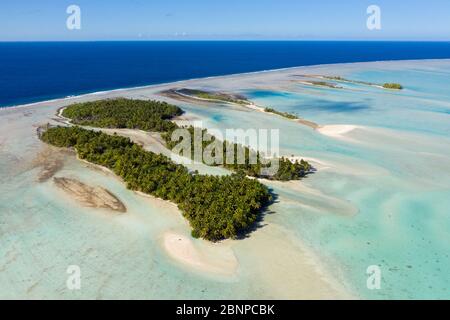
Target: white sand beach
x,y
336,130
208,257
298,275
301,248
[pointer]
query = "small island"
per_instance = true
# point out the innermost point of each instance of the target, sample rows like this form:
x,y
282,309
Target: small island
x,y
217,207
322,84
286,115
388,85
142,115
210,96
393,86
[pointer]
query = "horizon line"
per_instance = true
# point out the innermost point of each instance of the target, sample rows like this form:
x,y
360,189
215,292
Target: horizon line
x,y
226,40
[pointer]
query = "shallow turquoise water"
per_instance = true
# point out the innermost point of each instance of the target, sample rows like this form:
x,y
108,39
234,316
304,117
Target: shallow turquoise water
x,y
380,197
403,221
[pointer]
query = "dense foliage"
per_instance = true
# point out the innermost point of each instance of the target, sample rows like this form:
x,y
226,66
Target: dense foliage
x,y
324,84
124,113
283,114
155,116
338,78
287,170
216,207
395,86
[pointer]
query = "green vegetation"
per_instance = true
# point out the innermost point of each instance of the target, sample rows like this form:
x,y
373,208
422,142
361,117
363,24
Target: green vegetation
x,y
208,95
283,114
338,78
287,170
155,116
394,86
216,207
124,113
324,84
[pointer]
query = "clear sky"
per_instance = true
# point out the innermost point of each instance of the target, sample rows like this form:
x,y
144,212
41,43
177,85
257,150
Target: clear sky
x,y
23,20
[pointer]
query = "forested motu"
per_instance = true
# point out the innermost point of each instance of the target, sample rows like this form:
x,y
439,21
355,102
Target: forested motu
x,y
286,170
210,95
217,207
156,116
283,114
124,113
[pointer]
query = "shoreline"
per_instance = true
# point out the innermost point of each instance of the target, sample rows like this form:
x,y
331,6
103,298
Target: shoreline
x,y
155,85
179,96
211,258
312,278
218,259
369,172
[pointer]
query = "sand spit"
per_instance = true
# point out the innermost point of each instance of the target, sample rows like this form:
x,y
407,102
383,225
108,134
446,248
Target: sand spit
x,y
301,121
185,94
92,197
181,120
308,123
323,84
337,130
208,257
150,141
176,95
341,80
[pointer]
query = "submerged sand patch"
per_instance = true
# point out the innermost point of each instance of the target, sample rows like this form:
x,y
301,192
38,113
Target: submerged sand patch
x,y
288,269
88,196
314,199
50,160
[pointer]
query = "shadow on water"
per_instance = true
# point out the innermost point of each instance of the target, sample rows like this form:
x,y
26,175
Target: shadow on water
x,y
332,106
259,223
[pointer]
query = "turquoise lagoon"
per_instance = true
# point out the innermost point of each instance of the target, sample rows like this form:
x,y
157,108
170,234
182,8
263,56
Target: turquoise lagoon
x,y
381,196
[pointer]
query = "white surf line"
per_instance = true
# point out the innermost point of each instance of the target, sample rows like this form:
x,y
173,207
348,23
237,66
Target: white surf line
x,y
203,99
150,86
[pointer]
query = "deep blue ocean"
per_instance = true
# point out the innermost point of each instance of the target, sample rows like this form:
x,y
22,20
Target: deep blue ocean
x,y
31,72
